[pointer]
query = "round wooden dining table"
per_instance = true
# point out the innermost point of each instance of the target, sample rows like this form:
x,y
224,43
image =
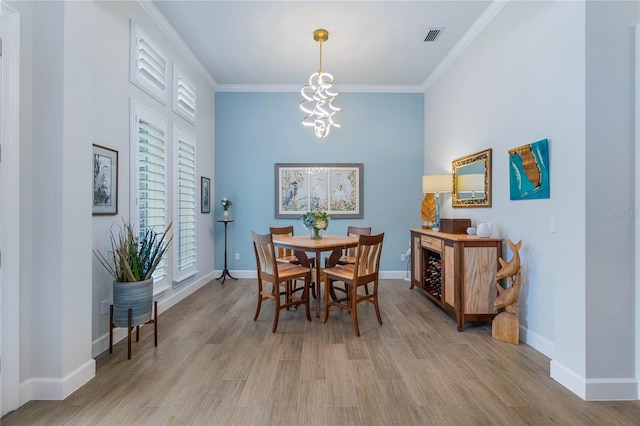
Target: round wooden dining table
x,y
303,244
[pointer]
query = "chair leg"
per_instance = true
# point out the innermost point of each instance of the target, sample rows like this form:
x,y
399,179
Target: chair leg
x,y
328,288
306,295
255,318
354,308
276,293
288,291
375,302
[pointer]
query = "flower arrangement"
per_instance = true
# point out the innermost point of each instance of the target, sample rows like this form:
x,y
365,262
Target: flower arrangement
x,y
226,203
132,257
316,219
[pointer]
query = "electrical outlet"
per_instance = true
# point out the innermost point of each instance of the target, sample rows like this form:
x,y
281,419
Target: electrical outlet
x,y
104,307
402,257
237,256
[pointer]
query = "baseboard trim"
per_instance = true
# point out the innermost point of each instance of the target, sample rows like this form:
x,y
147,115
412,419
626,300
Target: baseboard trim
x,y
609,389
568,378
612,389
101,344
539,343
57,389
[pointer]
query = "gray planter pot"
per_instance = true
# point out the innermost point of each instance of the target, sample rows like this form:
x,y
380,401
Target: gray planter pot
x,y
138,296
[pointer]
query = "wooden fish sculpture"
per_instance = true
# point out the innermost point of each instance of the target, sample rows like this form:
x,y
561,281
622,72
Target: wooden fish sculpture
x,y
511,268
508,297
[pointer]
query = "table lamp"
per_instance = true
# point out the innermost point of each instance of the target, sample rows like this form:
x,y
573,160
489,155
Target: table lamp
x,y
437,184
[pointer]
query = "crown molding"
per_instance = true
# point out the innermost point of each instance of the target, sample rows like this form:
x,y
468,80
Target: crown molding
x,y
175,38
492,10
338,88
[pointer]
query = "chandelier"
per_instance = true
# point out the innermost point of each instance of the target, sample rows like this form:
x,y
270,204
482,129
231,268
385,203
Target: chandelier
x,y
318,97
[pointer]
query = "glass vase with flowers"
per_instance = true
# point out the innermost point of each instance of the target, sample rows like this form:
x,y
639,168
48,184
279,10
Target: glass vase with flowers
x,y
316,220
226,203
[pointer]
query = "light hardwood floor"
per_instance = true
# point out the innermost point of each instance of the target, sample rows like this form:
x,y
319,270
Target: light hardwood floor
x,y
215,365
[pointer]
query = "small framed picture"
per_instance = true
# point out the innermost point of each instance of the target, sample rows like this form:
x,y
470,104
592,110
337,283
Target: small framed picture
x,y
105,181
205,195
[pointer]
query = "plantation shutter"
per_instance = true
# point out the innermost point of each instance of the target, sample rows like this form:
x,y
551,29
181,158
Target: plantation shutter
x,y
184,96
148,65
152,186
186,202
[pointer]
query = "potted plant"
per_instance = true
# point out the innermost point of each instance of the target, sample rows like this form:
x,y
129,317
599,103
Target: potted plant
x,y
316,220
131,261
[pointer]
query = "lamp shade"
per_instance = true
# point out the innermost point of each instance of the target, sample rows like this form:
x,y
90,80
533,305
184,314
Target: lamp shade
x,y
437,183
472,182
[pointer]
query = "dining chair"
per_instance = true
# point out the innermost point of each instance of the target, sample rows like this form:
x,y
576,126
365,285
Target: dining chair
x,y
350,253
285,255
281,276
365,270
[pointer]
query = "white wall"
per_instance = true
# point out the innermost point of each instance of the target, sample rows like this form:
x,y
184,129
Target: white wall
x,y
75,91
610,200
521,80
54,296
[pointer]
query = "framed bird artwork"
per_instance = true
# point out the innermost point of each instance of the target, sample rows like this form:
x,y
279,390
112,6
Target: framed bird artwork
x,y
335,188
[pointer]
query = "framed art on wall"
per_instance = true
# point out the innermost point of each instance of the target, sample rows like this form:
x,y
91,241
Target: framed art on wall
x,y
334,188
205,195
105,181
529,171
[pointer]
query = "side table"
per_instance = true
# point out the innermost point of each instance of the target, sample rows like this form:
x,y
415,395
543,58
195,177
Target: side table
x,y
225,271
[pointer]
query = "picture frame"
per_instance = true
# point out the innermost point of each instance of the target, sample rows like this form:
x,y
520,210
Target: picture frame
x,y
205,195
336,188
105,181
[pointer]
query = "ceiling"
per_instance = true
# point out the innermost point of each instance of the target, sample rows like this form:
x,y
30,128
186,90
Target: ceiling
x,y
270,43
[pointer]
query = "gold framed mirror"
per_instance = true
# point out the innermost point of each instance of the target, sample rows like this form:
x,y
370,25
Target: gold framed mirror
x,y
472,180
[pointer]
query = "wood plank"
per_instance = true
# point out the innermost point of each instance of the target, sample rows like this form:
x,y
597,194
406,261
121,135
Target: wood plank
x,y
340,387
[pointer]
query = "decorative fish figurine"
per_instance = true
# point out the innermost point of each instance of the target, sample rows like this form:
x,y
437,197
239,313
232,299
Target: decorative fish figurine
x,y
511,268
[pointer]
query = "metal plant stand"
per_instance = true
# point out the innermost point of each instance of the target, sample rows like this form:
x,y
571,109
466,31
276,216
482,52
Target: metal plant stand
x,y
225,271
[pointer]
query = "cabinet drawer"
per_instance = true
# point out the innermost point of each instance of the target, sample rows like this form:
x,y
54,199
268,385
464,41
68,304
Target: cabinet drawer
x,y
431,243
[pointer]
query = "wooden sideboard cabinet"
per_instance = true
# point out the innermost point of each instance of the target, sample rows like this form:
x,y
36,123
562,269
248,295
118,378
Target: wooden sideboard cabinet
x,y
457,272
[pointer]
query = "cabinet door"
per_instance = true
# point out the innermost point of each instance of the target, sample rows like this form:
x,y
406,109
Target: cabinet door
x,y
480,279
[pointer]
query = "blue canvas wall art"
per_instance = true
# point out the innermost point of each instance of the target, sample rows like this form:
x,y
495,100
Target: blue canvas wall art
x,y
529,171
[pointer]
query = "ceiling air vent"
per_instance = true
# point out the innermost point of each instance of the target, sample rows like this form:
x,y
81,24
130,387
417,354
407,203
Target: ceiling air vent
x,y
433,34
